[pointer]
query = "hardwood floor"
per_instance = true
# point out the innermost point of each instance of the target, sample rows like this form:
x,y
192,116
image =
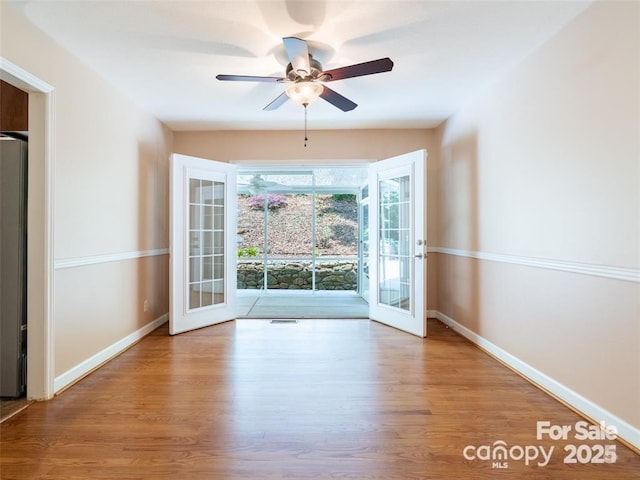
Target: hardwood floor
x,y
317,399
10,406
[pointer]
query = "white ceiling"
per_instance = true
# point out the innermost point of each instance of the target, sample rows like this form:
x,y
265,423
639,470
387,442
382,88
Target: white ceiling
x,y
165,54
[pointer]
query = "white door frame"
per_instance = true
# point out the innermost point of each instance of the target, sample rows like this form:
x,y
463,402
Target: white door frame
x,y
40,253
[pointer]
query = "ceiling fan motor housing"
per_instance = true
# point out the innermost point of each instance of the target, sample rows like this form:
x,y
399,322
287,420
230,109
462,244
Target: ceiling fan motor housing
x,y
316,69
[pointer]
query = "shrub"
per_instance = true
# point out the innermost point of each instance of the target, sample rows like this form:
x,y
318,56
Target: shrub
x,y
274,201
323,236
248,252
344,196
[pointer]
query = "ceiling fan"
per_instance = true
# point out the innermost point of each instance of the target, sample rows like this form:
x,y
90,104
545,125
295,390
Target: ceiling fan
x,y
306,78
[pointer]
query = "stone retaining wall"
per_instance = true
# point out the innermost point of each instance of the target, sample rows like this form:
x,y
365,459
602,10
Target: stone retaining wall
x,y
296,275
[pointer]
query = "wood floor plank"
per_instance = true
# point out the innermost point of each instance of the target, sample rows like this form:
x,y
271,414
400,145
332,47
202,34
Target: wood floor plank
x,y
321,399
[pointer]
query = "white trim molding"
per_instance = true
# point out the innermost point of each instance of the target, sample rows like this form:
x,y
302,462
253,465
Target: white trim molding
x,y
11,73
616,273
41,197
110,257
627,432
82,369
302,164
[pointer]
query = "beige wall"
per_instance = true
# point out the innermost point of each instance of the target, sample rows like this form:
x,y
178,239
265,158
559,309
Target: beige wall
x,y
111,184
99,305
324,145
289,146
544,164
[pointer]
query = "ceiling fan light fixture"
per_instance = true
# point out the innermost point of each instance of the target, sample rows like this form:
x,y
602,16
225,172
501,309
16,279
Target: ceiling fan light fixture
x,y
305,93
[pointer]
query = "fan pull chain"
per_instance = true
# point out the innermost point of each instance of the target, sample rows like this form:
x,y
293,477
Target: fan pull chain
x,y
305,124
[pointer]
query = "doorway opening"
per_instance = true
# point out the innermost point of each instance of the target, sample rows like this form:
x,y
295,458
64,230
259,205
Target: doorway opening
x,y
302,242
395,244
40,188
14,126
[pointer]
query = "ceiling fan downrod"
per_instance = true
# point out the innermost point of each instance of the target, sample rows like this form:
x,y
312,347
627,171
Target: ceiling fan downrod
x,y
305,124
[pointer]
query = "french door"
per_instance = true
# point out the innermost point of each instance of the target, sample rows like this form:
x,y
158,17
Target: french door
x,y
397,272
203,243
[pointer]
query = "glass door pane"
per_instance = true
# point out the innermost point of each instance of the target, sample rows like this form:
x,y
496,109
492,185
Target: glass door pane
x,y
363,248
206,263
336,247
289,241
394,231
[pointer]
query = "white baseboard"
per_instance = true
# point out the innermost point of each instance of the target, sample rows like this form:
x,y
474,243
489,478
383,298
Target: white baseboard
x,y
628,433
76,373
